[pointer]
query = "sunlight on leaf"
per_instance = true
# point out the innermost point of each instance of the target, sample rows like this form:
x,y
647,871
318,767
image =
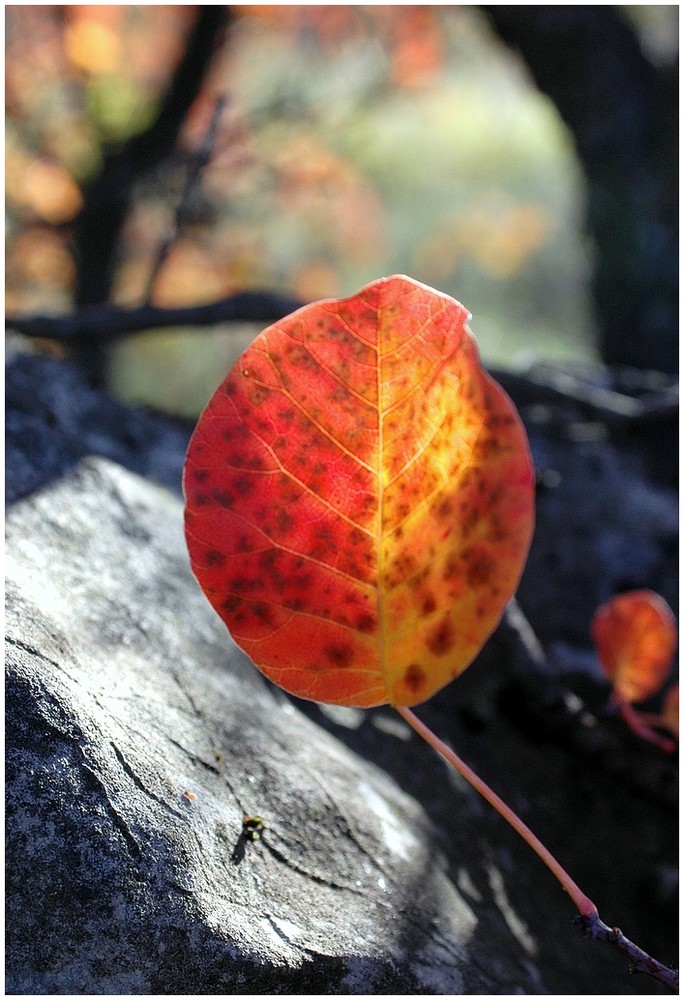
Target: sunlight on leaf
x,y
635,637
360,497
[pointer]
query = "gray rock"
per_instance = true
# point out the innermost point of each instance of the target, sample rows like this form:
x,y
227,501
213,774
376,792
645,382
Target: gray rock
x,y
137,736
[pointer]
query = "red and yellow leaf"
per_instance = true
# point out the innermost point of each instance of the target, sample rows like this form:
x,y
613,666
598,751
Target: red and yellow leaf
x,y
635,637
359,497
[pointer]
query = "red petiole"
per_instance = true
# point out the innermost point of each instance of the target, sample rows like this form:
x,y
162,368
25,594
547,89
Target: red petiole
x,y
588,918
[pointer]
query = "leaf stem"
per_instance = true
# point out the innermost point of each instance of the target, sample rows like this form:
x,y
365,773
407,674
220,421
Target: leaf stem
x,y
642,725
584,905
588,918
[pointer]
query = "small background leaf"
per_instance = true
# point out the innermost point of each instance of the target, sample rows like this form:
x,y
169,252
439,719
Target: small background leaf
x,y
635,636
360,497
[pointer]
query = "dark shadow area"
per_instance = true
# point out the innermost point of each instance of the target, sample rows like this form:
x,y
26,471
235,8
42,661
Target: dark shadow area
x,y
622,110
590,805
54,418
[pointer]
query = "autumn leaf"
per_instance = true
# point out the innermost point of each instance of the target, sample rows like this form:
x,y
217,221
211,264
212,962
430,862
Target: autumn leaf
x,y
359,497
635,638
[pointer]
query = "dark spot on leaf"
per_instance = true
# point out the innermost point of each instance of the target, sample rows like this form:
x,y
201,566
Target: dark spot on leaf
x,y
403,566
442,638
469,522
445,508
341,656
214,558
355,536
262,611
284,521
416,581
243,544
365,623
429,604
222,498
414,677
300,357
481,567
498,532
244,485
451,568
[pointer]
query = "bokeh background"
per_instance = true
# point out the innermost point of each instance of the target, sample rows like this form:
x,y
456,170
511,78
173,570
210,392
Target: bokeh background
x,y
355,141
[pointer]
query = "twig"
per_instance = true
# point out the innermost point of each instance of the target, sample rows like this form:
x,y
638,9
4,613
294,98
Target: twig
x,y
108,323
196,164
639,960
608,405
107,197
588,918
642,725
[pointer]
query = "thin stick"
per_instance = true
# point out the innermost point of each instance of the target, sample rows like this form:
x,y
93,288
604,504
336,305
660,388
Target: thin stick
x,y
641,725
196,164
588,918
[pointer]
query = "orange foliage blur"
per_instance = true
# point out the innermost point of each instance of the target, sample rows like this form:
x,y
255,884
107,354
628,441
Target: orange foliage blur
x,y
141,43
500,238
411,35
55,56
93,38
283,202
342,210
417,46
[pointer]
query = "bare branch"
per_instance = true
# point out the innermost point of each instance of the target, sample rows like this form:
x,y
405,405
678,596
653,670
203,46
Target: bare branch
x,y
196,163
639,960
108,323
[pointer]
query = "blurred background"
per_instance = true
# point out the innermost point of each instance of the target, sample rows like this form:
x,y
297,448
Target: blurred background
x,y
522,159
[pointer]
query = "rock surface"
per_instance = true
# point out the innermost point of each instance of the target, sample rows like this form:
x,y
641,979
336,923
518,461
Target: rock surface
x,y
137,735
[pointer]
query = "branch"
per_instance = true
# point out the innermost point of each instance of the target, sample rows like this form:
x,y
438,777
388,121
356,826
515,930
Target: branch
x,y
196,163
588,917
109,323
605,404
623,114
639,960
107,198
